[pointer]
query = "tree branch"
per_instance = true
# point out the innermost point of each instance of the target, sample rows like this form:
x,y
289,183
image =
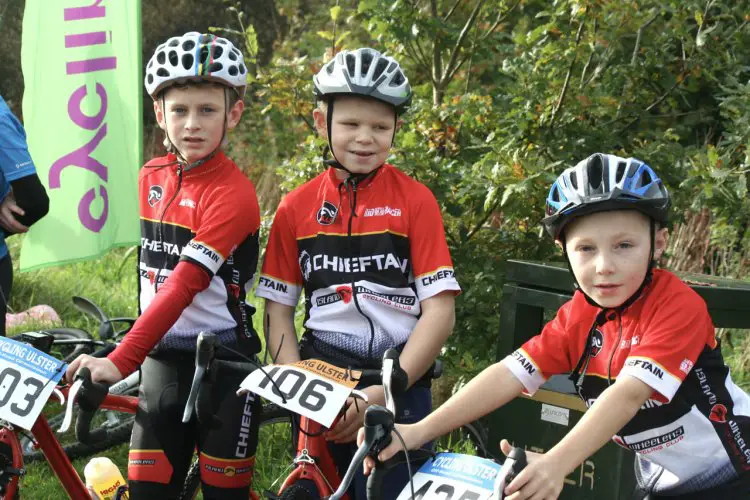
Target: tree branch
x,y
680,78
567,76
484,219
500,19
638,37
464,33
453,9
591,55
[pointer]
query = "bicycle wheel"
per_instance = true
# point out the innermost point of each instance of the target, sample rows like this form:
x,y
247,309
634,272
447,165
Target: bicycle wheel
x,y
120,425
301,490
68,352
274,453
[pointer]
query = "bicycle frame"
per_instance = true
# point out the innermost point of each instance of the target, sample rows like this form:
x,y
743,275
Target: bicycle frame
x,y
314,461
53,451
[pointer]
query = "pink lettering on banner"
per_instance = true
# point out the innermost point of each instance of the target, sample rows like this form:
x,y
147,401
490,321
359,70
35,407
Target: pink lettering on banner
x,y
81,156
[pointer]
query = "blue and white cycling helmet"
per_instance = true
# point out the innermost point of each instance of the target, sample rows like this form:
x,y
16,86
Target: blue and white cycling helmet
x,y
195,56
605,182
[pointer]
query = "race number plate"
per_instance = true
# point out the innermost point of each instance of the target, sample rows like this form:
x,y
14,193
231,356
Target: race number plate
x,y
450,476
312,388
27,378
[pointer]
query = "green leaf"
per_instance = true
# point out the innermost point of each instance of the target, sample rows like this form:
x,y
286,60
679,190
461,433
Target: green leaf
x,y
326,35
335,11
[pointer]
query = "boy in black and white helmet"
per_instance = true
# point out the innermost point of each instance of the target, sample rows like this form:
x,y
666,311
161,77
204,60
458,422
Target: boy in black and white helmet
x,y
367,244
199,250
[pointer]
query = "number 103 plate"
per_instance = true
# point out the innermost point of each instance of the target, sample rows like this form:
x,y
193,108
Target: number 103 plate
x,y
27,378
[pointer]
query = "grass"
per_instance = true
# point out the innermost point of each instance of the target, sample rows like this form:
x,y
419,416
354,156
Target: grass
x,y
111,283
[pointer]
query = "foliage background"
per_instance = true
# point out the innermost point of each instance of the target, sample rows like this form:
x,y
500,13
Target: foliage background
x,y
508,93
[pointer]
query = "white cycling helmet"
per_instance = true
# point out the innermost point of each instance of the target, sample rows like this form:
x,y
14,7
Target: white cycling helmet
x,y
195,56
364,72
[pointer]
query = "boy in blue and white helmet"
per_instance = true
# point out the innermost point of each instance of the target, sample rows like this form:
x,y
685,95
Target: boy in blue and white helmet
x,y
640,346
199,221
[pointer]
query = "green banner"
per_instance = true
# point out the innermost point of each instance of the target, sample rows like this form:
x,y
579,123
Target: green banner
x,y
82,111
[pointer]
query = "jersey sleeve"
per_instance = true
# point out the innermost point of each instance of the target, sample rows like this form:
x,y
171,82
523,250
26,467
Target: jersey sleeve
x,y
15,159
545,355
431,259
231,214
281,279
670,343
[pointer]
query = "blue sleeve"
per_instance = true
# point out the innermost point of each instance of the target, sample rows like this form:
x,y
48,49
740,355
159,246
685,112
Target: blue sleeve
x,y
15,160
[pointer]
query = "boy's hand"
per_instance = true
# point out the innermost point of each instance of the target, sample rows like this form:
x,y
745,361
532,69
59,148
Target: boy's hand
x,y
412,437
8,211
345,430
542,479
102,369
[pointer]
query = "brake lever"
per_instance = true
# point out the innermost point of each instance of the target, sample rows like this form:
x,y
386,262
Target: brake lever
x,y
514,463
204,354
60,396
72,395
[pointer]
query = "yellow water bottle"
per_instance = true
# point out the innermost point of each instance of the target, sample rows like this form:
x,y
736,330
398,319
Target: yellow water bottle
x,y
104,480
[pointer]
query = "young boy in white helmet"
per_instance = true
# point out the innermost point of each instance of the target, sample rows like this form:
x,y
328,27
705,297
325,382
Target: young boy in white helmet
x,y
199,251
367,244
639,343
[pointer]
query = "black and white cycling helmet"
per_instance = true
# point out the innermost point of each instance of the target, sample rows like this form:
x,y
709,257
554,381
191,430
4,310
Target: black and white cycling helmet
x,y
605,182
195,56
364,72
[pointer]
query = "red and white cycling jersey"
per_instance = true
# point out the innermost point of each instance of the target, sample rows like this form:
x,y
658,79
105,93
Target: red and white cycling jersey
x,y
208,216
364,271
694,432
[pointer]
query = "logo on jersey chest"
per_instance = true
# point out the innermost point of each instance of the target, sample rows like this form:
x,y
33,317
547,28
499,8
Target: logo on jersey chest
x,y
155,194
327,214
597,343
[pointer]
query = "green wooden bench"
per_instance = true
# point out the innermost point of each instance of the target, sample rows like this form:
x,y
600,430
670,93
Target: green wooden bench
x,y
533,289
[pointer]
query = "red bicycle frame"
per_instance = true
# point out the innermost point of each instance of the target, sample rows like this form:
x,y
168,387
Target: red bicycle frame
x,y
320,469
53,451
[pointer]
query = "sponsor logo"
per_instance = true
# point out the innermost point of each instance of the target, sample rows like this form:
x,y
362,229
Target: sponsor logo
x,y
160,246
205,251
381,262
651,403
705,388
23,164
234,290
659,442
345,292
686,366
718,414
597,342
636,340
187,202
327,214
155,194
228,470
142,461
443,274
648,366
527,365
379,211
151,275
740,447
273,284
305,264
247,416
624,343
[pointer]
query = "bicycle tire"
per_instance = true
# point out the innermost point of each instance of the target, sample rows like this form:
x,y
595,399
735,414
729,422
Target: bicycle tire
x,y
272,414
120,423
470,439
301,490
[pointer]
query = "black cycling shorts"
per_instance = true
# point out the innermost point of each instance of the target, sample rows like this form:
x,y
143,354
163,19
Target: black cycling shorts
x,y
162,447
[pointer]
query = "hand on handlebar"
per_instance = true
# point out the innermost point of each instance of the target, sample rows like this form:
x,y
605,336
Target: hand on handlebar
x,y
345,430
102,369
412,437
542,478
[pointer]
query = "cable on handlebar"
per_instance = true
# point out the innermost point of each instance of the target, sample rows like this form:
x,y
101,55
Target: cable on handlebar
x,y
408,461
258,367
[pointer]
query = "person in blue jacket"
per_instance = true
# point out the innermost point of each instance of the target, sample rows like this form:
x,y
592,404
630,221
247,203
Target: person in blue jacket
x,y
23,200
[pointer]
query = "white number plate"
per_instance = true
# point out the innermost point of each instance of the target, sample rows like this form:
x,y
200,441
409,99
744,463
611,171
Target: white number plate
x,y
312,388
27,378
451,476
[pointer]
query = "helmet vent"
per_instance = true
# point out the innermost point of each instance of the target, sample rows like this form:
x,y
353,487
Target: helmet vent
x,y
174,60
621,166
161,57
646,178
188,45
398,79
594,171
242,68
366,61
162,73
556,194
329,68
215,67
174,42
232,70
187,61
379,68
232,55
574,180
350,64
218,51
